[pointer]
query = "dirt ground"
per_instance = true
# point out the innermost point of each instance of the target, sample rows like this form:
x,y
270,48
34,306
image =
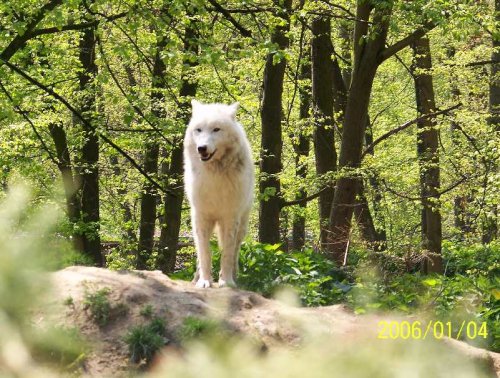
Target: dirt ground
x,y
272,323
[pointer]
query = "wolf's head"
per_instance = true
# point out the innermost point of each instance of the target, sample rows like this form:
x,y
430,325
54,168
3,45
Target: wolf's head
x,y
212,131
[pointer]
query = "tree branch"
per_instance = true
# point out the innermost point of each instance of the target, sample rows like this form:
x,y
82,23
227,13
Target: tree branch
x,y
30,122
405,42
83,25
406,125
20,40
135,107
436,195
304,200
244,32
76,113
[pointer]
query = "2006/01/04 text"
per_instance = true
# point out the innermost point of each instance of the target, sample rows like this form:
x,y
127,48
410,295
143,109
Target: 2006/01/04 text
x,y
415,330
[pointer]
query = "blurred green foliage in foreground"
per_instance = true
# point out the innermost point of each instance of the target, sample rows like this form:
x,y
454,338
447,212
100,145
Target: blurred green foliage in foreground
x,y
25,237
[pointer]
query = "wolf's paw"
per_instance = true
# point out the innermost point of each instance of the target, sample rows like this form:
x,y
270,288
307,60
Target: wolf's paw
x,y
226,283
203,284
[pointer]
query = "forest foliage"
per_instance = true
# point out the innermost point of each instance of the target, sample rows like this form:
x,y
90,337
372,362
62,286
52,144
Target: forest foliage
x,y
374,127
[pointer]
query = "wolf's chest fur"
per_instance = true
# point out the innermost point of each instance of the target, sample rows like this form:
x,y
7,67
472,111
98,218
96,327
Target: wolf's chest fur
x,y
217,190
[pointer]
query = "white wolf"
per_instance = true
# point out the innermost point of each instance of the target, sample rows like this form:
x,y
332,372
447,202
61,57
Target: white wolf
x,y
219,181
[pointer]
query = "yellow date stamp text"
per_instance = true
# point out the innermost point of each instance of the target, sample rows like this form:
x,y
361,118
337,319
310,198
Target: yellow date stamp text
x,y
417,330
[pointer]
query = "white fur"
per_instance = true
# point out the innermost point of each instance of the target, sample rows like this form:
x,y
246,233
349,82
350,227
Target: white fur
x,y
219,190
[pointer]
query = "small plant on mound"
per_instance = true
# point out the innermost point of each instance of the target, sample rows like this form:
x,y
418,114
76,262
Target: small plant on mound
x,y
100,308
97,303
147,311
194,327
144,341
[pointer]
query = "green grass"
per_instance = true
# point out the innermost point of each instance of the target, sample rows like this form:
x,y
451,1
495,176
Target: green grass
x,y
98,305
147,311
144,341
194,327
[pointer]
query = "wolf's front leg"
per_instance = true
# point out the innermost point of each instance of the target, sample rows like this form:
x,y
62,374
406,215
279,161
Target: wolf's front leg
x,y
227,242
202,230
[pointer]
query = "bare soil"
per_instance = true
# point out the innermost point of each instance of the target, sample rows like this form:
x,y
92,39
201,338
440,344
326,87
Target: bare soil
x,y
270,322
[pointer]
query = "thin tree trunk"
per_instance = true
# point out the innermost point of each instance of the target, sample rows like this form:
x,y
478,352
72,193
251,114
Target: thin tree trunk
x,y
169,237
129,232
301,146
462,218
428,155
271,141
150,195
324,133
490,223
70,190
88,175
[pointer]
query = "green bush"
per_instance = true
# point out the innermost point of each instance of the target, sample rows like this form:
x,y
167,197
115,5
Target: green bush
x,y
121,259
265,268
26,236
97,303
472,259
144,341
147,311
468,291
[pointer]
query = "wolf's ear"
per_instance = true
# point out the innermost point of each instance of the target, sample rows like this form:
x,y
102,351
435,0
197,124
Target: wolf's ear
x,y
195,104
233,108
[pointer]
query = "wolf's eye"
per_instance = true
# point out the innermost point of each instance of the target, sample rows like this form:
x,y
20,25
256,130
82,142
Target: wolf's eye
x,y
216,129
198,130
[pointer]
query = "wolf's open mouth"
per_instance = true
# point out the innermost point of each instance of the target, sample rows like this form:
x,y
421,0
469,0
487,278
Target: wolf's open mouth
x,y
207,157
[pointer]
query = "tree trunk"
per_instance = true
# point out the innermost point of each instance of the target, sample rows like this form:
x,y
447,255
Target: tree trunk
x,y
376,239
342,79
324,133
462,217
271,141
88,175
129,232
366,60
301,146
70,191
428,155
169,238
149,193
490,223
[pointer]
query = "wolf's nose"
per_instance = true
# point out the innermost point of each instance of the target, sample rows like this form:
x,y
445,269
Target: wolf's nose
x,y
202,149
